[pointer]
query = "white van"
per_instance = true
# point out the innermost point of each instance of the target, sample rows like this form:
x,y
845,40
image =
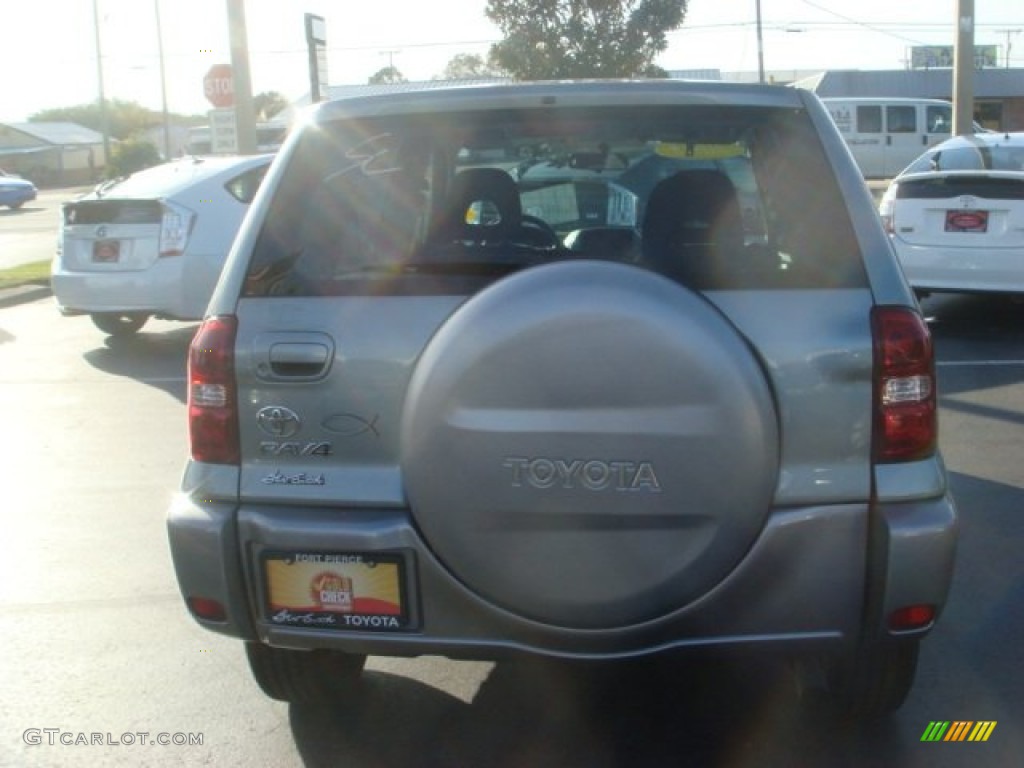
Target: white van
x,y
887,134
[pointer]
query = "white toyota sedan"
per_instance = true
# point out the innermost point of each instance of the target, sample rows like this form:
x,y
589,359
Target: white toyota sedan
x,y
153,243
956,215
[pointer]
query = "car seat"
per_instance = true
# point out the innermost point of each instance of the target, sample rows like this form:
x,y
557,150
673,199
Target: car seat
x,y
482,207
692,226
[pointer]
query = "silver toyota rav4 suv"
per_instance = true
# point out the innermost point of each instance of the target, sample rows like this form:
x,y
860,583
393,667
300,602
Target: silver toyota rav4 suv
x,y
590,370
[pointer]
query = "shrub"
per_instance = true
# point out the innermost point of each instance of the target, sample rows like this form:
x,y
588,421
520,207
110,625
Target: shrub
x,y
131,155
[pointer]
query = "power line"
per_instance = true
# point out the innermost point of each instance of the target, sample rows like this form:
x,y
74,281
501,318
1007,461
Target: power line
x,y
860,23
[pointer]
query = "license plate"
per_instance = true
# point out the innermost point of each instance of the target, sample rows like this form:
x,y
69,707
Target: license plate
x,y
343,591
966,221
106,251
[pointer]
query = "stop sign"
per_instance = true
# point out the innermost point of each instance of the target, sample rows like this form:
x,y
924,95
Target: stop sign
x,y
219,86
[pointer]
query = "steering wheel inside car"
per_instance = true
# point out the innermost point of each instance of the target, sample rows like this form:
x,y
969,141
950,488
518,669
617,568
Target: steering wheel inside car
x,y
537,232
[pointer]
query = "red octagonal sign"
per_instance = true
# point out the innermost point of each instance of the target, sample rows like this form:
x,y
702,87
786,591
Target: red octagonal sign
x,y
219,86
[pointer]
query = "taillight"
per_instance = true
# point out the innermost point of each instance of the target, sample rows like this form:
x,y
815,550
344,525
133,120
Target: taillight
x,y
906,421
175,227
212,401
911,617
207,608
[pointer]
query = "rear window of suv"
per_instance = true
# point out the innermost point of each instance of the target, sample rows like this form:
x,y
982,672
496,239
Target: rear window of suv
x,y
715,197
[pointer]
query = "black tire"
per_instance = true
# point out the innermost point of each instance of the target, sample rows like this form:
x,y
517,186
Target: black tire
x,y
875,681
119,323
304,676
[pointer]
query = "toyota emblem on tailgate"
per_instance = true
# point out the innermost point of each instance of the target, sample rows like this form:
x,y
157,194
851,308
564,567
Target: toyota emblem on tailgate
x,y
278,421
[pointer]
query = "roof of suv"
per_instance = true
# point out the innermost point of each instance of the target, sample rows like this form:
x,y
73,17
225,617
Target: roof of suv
x,y
568,93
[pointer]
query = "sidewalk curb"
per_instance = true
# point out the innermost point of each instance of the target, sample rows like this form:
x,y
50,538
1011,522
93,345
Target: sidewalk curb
x,y
10,297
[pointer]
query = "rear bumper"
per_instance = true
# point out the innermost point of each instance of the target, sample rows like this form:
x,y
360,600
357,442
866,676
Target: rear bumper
x,y
915,543
983,270
803,582
173,287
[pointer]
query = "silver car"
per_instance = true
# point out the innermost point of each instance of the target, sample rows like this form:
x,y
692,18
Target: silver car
x,y
583,370
152,243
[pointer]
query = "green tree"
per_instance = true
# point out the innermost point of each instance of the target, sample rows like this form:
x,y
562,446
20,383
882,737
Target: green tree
x,y
468,66
387,75
556,39
130,156
267,104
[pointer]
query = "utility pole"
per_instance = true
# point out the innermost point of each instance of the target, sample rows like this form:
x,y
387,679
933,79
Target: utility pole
x,y
391,60
244,112
163,82
760,45
963,70
104,119
1009,45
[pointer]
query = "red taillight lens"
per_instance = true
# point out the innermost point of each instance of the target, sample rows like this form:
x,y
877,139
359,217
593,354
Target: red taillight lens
x,y
906,422
207,608
911,617
212,404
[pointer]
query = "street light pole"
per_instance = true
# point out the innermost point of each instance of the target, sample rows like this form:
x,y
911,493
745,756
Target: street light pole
x,y
104,120
163,82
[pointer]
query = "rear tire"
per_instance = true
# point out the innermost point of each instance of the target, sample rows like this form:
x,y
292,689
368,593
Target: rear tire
x,y
119,323
304,676
875,681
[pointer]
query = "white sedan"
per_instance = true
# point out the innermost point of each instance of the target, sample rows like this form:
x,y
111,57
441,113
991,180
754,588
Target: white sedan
x,y
152,243
956,215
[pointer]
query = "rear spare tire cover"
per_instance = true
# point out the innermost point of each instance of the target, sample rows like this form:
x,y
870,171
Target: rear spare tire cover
x,y
589,445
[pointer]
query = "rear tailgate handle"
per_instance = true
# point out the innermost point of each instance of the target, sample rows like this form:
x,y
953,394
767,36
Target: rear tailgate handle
x,y
292,356
300,360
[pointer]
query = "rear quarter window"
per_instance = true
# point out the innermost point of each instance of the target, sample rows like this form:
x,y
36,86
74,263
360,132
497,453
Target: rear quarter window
x,y
245,186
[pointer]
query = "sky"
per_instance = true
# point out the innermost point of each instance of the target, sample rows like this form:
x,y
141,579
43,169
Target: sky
x,y
48,47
